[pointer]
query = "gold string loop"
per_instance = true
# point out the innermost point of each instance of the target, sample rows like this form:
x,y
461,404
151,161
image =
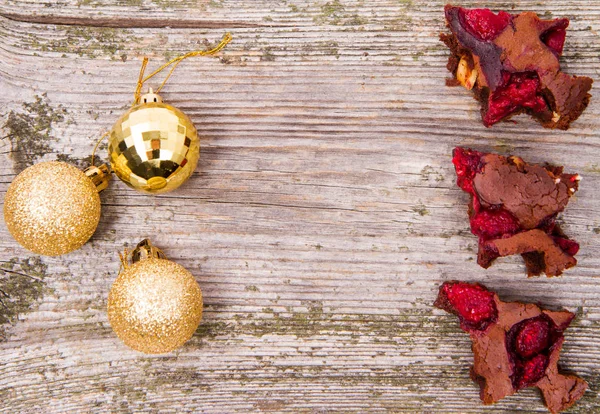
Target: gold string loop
x,y
97,145
140,82
175,61
124,259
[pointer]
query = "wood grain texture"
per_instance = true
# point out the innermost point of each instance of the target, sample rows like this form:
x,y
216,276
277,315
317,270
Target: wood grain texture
x,y
320,222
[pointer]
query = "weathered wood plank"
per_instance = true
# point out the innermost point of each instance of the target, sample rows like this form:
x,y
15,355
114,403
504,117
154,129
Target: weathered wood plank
x,y
319,224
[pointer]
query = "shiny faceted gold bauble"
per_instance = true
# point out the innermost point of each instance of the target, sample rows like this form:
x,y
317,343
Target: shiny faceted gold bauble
x,y
52,208
155,305
154,147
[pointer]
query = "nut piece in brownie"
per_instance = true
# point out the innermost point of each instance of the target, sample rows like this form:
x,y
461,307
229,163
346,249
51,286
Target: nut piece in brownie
x,y
511,62
513,209
515,345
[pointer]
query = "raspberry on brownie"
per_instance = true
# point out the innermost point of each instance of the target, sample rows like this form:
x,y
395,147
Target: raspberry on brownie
x,y
515,345
511,62
513,209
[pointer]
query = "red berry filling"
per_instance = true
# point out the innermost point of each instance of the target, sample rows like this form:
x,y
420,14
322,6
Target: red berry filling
x,y
531,371
473,304
529,343
554,38
567,245
532,338
467,163
519,91
483,23
493,224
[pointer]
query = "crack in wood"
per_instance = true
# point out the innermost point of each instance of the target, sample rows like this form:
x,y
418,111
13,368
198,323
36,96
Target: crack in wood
x,y
127,23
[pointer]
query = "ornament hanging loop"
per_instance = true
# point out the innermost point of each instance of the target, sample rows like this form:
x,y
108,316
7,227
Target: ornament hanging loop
x,y
97,145
100,175
175,61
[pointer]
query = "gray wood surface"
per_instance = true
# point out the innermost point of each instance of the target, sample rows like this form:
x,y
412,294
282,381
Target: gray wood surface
x,y
320,222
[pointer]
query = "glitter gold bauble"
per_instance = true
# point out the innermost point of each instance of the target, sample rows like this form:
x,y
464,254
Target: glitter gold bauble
x,y
53,208
155,305
154,147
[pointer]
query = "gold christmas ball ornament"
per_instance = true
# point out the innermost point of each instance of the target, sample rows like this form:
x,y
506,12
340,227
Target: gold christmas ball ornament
x,y
155,305
53,208
154,147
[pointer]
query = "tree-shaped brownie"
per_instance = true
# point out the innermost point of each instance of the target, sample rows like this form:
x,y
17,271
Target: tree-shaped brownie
x,y
515,345
511,62
513,209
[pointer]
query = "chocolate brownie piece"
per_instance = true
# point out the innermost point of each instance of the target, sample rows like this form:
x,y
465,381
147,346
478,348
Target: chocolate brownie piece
x,y
511,62
515,345
513,209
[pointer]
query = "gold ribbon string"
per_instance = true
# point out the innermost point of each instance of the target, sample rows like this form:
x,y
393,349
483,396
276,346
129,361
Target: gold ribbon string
x,y
175,61
124,259
97,145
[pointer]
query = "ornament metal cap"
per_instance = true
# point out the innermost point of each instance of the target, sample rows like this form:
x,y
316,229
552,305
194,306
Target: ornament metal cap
x,y
145,250
150,97
100,176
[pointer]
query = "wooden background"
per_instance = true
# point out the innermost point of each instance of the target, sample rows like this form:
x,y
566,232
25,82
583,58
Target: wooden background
x,y
320,222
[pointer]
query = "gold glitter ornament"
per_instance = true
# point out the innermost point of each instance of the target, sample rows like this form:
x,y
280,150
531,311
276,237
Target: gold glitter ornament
x,y
154,147
155,305
53,208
